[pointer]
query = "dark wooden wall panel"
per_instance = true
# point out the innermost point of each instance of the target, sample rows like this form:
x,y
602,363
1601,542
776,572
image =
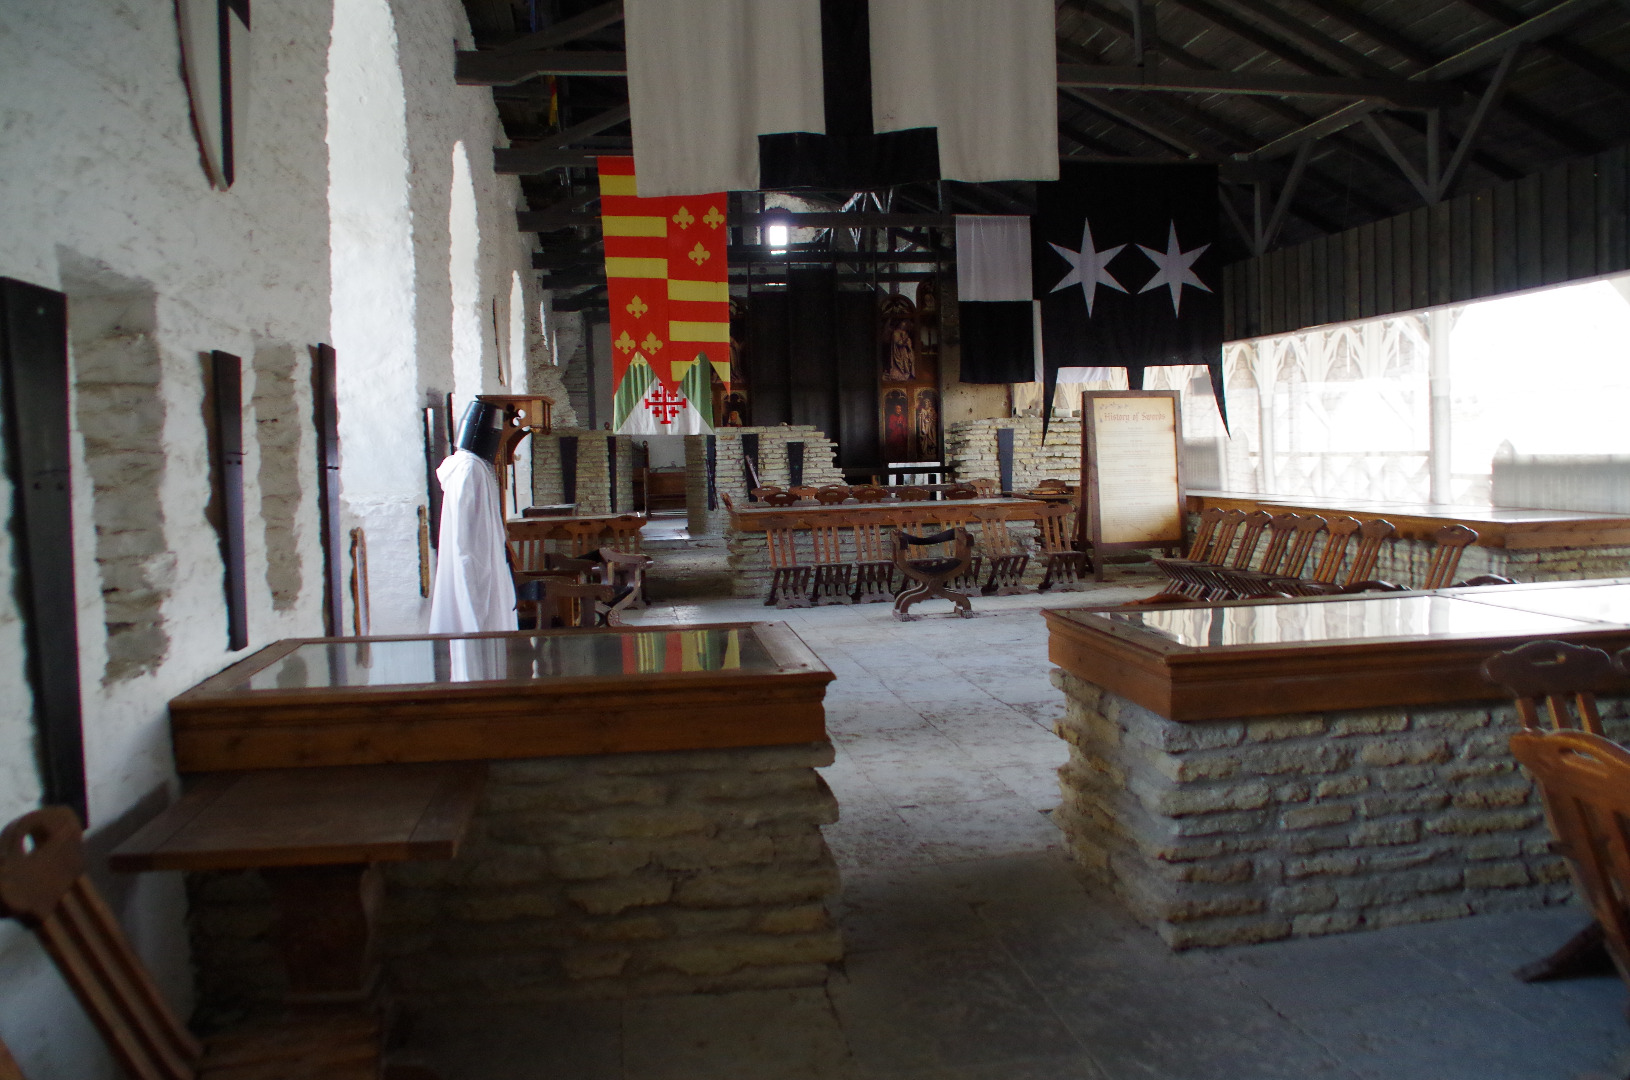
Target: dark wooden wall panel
x,y
34,396
1568,223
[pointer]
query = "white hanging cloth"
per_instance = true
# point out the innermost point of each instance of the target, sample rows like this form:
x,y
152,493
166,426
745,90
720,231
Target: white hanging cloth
x,y
993,257
706,78
984,73
474,591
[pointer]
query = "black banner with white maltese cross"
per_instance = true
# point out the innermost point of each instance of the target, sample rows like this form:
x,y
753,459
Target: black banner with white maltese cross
x,y
1125,263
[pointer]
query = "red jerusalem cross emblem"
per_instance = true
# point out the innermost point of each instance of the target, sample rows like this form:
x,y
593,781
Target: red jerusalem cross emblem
x,y
664,404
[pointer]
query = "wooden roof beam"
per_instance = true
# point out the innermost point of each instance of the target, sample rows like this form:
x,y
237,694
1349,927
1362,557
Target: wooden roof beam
x,y
1560,47
1461,66
1400,92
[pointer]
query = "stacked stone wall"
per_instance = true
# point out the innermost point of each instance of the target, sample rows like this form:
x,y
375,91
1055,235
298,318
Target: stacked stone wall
x,y
593,471
593,877
970,449
1235,831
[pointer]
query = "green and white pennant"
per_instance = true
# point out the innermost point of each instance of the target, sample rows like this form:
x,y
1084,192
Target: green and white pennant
x,y
643,406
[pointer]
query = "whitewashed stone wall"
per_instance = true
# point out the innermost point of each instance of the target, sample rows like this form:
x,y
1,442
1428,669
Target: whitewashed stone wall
x,y
106,200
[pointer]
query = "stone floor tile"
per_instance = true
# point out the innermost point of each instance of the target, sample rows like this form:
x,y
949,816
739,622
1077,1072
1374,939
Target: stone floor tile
x,y
1457,1036
871,833
922,1009
583,1040
1062,1067
980,830
904,907
1295,975
1205,1028
1040,791
932,780
748,1035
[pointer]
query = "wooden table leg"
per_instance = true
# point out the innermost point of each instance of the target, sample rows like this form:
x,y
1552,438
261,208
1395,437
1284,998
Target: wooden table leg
x,y
325,930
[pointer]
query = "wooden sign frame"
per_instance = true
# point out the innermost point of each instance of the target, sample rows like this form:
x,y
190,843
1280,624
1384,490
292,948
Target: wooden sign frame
x,y
1096,448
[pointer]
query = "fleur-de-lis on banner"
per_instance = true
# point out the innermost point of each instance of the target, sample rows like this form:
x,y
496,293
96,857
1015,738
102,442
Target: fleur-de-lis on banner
x,y
684,219
713,219
699,254
625,343
651,344
637,307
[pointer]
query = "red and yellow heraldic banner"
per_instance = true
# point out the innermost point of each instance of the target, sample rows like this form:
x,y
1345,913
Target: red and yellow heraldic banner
x,y
667,272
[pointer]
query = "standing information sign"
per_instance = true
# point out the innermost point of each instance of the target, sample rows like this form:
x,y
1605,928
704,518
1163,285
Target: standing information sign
x,y
1131,472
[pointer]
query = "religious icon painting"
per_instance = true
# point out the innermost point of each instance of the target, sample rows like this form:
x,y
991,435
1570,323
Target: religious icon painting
x,y
897,441
898,330
926,425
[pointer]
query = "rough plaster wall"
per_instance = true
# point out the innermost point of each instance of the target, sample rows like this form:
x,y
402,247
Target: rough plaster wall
x,y
441,114
105,196
374,300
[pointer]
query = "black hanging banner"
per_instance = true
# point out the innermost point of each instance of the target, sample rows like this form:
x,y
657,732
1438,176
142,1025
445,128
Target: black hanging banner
x,y
749,462
568,468
34,379
1004,458
226,415
712,472
795,464
435,449
325,405
1125,263
611,470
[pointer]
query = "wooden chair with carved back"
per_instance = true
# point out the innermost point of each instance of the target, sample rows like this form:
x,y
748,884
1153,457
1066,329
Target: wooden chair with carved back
x,y
832,494
1338,534
1175,570
961,491
913,493
1370,536
1554,686
43,886
779,498
790,577
985,486
874,561
1066,565
804,491
832,576
1004,555
1584,780
582,537
1051,486
1284,561
1188,575
764,489
624,534
1242,580
1215,577
1451,543
869,493
926,579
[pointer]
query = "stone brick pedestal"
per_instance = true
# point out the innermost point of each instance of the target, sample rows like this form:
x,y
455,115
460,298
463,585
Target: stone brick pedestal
x,y
1234,831
608,876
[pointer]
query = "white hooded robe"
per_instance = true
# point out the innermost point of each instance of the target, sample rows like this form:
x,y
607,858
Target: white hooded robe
x,y
474,591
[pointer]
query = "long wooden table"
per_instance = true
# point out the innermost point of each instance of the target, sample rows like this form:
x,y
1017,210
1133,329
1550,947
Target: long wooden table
x,y
758,518
362,701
